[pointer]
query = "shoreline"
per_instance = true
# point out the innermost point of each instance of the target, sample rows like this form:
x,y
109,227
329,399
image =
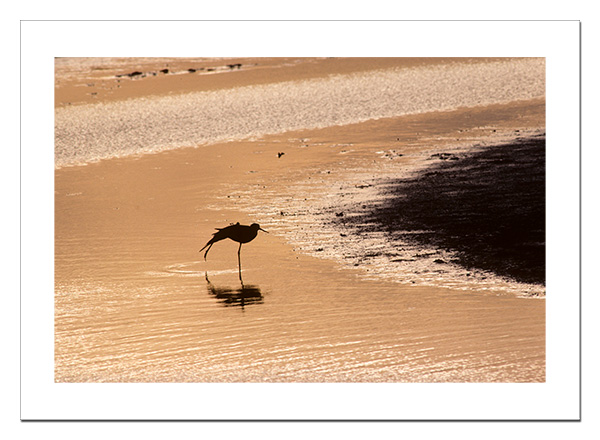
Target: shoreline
x,y
352,183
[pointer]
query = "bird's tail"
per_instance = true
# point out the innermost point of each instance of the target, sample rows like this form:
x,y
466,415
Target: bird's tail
x,y
209,245
217,236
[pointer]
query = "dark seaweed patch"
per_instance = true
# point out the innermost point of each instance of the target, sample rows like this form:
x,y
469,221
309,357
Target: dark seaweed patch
x,y
488,207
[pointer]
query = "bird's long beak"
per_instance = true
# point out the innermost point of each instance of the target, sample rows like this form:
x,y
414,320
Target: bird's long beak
x,y
263,230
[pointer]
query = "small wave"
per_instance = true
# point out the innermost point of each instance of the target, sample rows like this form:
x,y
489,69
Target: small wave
x,y
189,269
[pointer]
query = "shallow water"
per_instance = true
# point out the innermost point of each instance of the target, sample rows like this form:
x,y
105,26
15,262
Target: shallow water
x,y
303,327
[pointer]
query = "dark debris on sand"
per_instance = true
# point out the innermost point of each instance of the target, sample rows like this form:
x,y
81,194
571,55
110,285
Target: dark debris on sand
x,y
488,208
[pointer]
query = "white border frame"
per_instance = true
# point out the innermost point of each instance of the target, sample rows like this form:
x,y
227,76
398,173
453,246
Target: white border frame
x,y
558,398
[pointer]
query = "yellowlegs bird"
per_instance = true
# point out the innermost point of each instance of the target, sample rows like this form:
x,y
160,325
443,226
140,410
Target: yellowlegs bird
x,y
239,233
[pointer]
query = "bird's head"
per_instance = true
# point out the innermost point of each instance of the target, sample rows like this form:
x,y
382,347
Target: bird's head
x,y
257,227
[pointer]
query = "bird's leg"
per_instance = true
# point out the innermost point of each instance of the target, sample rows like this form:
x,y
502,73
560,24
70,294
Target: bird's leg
x,y
205,253
240,264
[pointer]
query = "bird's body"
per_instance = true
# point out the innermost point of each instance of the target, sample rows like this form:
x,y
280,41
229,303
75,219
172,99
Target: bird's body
x,y
239,233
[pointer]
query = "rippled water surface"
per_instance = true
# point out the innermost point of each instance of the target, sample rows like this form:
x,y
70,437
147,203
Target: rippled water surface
x,y
184,327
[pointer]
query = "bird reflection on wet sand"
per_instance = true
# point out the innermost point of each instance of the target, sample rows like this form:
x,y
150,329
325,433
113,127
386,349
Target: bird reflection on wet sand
x,y
241,297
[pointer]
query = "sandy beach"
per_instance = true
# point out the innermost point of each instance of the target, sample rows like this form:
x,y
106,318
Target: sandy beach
x,y
403,248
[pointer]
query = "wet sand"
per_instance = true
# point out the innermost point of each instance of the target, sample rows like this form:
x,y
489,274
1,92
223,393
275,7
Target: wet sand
x,y
135,302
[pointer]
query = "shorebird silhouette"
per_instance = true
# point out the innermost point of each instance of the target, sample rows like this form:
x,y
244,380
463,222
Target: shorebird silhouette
x,y
239,233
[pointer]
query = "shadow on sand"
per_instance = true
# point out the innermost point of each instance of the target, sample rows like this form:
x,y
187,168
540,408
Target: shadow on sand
x,y
488,207
241,297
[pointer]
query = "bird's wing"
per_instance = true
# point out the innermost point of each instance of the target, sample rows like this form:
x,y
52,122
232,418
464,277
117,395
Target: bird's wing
x,y
227,227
